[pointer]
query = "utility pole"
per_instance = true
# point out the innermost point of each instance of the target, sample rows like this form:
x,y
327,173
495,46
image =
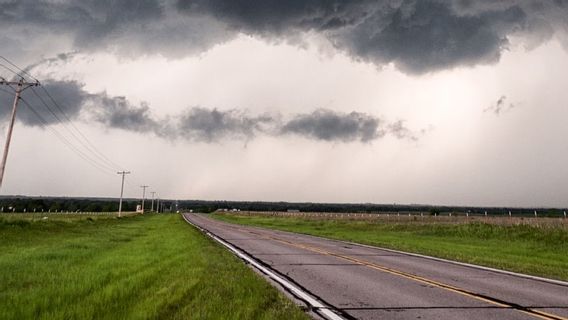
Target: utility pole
x,y
123,173
20,86
143,196
153,193
158,205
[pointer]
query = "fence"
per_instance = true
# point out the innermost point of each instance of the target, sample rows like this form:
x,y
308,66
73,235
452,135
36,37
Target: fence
x,y
414,217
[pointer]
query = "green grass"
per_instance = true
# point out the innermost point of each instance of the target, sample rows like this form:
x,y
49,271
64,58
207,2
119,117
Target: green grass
x,y
541,251
143,267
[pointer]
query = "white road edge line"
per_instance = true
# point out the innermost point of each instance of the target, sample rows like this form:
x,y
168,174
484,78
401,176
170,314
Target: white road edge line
x,y
464,264
313,302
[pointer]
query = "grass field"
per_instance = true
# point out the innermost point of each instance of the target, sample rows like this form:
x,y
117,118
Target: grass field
x,y
533,249
141,267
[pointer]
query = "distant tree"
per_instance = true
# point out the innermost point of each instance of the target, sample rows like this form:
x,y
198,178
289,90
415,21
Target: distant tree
x,y
109,207
54,206
434,211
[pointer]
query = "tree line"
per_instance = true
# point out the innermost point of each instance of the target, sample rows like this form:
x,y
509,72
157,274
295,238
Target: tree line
x,y
211,206
65,204
29,204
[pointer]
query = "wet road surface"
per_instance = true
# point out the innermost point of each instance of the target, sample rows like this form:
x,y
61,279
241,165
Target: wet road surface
x,y
371,283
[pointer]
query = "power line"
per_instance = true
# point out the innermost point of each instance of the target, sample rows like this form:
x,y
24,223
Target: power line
x,y
21,70
90,144
133,184
99,161
90,148
44,124
66,142
20,87
8,83
10,69
16,74
102,162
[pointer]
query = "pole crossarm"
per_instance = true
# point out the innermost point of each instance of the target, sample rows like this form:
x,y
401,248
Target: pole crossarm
x,y
22,83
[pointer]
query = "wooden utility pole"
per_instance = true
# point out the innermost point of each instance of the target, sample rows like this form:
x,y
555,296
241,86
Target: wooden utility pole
x,y
20,86
123,173
143,196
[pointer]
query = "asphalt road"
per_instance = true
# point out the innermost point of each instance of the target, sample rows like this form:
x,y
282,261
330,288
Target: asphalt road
x,y
370,283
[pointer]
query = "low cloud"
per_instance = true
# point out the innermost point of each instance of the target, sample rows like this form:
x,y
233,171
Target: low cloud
x,y
328,125
200,124
400,131
196,124
209,125
119,113
69,91
500,106
62,100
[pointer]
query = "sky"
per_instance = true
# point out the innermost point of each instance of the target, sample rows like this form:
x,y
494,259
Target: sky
x,y
411,102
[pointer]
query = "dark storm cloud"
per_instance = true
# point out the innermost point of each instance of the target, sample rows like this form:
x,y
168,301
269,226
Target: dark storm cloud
x,y
128,27
333,126
424,35
418,36
275,16
90,20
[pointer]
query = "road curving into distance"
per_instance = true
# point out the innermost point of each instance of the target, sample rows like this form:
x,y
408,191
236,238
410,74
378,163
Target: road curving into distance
x,y
362,282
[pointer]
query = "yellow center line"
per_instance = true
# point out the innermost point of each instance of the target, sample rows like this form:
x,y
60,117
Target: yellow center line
x,y
531,312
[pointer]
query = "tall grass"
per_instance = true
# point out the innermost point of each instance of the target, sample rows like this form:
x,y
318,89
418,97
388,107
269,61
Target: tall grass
x,y
153,266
